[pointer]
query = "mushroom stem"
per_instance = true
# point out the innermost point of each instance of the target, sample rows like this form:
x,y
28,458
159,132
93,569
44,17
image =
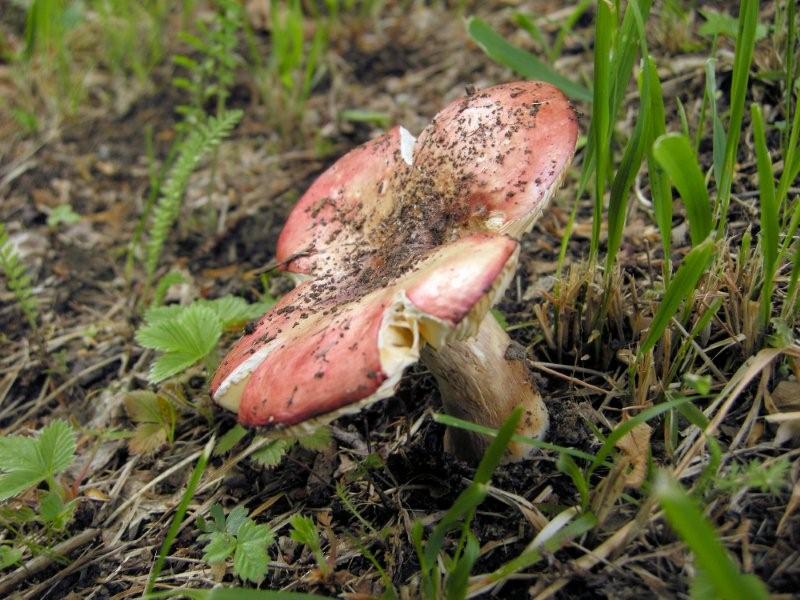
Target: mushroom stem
x,y
483,379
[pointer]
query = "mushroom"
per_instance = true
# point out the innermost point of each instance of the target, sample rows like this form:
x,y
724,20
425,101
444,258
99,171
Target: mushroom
x,y
400,249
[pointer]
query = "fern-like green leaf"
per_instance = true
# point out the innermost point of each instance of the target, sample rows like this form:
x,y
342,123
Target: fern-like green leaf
x,y
17,278
193,149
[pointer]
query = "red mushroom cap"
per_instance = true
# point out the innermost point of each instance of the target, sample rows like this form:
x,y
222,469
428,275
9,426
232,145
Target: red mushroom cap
x,y
400,244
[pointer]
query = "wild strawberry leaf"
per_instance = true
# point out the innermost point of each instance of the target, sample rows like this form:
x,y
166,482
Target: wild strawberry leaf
x,y
250,558
183,340
272,454
27,461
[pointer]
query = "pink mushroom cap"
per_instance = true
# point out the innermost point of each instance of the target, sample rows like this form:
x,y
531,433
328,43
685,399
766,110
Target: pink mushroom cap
x,y
400,243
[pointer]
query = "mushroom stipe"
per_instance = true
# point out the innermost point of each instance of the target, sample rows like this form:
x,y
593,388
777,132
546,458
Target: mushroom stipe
x,y
400,249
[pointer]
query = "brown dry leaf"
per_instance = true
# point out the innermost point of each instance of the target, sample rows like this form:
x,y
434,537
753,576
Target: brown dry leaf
x,y
155,418
610,489
791,507
635,445
258,13
783,404
96,494
222,272
115,216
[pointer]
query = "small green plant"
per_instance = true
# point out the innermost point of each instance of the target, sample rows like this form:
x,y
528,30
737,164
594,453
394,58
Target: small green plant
x,y
132,34
769,478
275,449
62,215
304,531
204,137
26,462
17,278
9,555
236,536
210,73
186,335
294,65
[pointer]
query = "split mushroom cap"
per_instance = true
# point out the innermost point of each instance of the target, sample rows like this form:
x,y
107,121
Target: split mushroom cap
x,y
401,244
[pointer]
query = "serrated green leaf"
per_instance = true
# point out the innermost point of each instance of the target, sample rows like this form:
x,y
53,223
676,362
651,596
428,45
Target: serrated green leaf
x,y
219,548
9,555
219,517
17,453
17,482
184,340
56,447
304,531
54,511
234,312
235,519
250,558
159,314
318,441
26,461
63,213
272,454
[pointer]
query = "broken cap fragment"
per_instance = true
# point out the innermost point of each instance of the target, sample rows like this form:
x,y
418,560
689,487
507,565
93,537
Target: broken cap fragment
x,y
402,245
305,360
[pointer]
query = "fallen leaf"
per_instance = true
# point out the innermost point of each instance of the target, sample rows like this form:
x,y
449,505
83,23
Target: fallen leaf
x,y
635,445
783,404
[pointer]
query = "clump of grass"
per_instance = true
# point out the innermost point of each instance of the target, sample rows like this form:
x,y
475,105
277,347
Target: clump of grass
x,y
294,64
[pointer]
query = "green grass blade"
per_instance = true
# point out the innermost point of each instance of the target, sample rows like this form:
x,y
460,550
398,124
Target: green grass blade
x,y
699,534
769,212
601,116
180,512
630,40
718,129
567,26
745,42
521,62
620,430
790,159
792,302
789,139
680,288
676,156
488,431
529,558
471,497
569,467
660,190
623,181
528,23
